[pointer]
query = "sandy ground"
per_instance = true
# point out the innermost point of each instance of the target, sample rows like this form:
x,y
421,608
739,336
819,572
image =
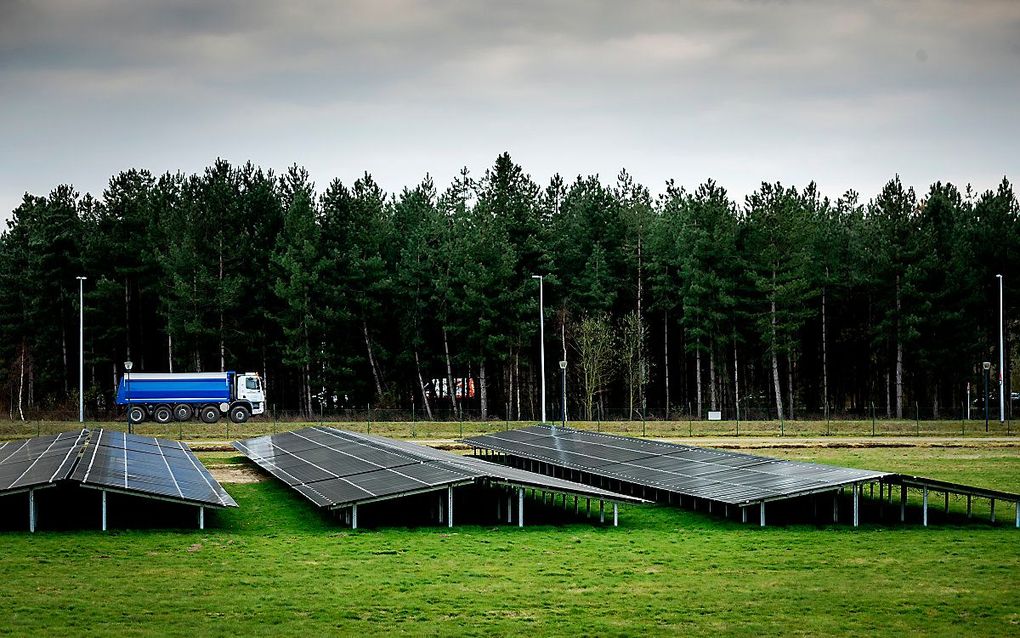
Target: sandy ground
x,y
236,474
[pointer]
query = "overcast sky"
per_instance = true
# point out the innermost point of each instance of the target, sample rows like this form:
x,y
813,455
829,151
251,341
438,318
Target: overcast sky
x,y
845,93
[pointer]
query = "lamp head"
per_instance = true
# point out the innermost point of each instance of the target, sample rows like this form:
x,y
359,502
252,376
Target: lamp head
x,y
986,365
563,365
128,365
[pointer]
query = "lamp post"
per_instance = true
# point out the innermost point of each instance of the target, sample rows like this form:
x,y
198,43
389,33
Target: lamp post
x,y
541,336
1002,361
81,349
563,405
127,392
987,365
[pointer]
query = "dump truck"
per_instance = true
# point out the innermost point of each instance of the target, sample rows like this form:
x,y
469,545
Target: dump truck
x,y
167,396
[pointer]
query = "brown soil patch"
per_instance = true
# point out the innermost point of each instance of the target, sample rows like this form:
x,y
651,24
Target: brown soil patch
x,y
236,474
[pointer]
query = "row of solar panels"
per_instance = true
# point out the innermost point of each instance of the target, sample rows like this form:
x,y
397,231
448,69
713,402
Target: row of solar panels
x,y
335,468
113,461
728,477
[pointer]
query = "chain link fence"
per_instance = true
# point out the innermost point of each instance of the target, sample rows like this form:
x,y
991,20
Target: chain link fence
x,y
447,424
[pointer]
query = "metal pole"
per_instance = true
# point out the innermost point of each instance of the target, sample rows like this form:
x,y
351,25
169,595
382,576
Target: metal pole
x,y
449,506
857,497
31,510
520,507
354,516
1002,361
104,510
201,517
992,503
81,349
563,398
987,367
924,506
616,516
541,335
903,503
602,511
762,523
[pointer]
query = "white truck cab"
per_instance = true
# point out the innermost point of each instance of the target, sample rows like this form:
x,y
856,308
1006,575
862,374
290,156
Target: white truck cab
x,y
249,388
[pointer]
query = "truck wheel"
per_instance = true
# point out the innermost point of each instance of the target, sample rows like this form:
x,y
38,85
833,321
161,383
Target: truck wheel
x,y
239,414
136,414
182,412
210,414
162,414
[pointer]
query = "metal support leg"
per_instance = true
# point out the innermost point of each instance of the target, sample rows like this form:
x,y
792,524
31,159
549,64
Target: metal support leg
x,y
520,507
354,516
903,503
602,511
510,506
449,506
31,510
762,522
104,510
835,507
587,508
993,509
924,506
743,514
616,515
1017,506
575,505
201,517
968,506
857,507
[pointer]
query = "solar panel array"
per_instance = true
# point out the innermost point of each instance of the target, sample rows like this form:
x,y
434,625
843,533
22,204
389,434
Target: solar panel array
x,y
143,466
151,466
334,468
728,477
39,461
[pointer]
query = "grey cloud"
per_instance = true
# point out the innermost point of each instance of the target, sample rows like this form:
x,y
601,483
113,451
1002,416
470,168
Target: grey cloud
x,y
740,91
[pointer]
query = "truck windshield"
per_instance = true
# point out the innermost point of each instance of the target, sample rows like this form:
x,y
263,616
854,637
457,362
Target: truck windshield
x,y
251,383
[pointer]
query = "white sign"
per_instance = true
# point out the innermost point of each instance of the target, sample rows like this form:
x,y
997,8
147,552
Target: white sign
x,y
714,416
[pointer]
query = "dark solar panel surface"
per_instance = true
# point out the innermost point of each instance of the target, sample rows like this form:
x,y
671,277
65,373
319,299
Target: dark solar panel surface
x,y
149,467
39,461
332,467
729,477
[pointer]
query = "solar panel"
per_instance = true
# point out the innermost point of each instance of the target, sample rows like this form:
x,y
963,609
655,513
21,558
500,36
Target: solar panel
x,y
148,466
729,477
39,461
337,468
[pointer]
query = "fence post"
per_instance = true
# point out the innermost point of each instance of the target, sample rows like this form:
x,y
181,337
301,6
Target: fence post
x,y
962,413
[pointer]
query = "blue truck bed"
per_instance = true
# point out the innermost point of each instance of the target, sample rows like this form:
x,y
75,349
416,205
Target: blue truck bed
x,y
194,387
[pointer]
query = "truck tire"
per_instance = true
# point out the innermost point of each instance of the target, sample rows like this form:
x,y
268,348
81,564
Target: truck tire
x,y
182,412
239,414
210,414
135,414
162,414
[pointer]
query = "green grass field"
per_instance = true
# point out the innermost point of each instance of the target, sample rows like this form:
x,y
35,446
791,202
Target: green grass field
x,y
276,567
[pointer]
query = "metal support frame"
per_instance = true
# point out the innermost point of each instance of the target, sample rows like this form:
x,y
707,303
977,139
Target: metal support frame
x,y
354,516
510,507
924,505
602,511
969,513
1017,506
903,503
992,501
103,492
835,507
449,506
616,515
857,506
762,515
520,507
201,517
31,511
743,514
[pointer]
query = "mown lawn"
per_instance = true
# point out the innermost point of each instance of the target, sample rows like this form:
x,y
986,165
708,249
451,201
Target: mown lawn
x,y
276,567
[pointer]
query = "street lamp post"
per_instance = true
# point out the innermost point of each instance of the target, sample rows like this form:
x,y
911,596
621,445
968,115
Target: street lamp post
x,y
1002,361
81,349
563,398
127,392
987,365
541,336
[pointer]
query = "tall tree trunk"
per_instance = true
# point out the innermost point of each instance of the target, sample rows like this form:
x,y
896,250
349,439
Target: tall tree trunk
x,y
421,385
697,375
517,374
483,399
899,356
789,378
825,352
170,349
888,396
371,359
711,378
665,356
935,403
21,381
736,378
63,348
449,373
775,360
